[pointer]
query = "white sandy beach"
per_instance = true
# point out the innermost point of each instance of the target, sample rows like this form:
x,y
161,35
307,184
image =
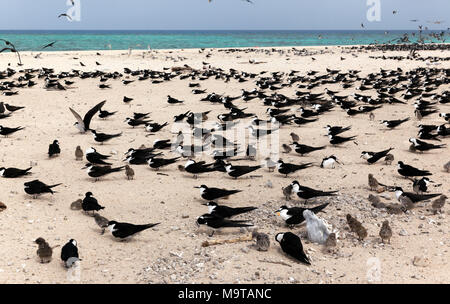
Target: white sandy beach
x,y
172,251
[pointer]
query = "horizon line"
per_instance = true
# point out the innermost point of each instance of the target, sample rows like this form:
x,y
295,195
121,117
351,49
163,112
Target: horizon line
x,y
209,30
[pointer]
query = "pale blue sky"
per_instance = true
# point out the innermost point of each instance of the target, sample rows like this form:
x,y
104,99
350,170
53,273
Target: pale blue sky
x,y
221,14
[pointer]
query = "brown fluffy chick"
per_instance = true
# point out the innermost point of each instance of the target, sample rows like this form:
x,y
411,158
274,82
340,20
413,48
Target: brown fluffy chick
x,y
373,183
352,222
438,204
295,137
375,201
331,241
76,205
406,202
287,191
78,153
129,172
447,167
286,148
44,251
361,232
389,159
386,232
262,240
395,209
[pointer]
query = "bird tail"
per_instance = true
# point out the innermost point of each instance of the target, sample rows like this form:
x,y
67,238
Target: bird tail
x,y
230,192
238,224
144,227
319,208
241,210
116,169
52,186
26,170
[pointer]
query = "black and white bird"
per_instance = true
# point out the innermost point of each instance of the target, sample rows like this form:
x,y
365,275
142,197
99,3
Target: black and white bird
x,y
337,140
104,114
211,193
305,149
292,246
69,253
391,124
54,149
329,162
216,222
90,203
172,100
155,127
287,168
36,187
413,196
13,172
424,146
83,124
421,185
197,168
407,170
237,171
8,131
446,116
335,130
127,99
225,211
307,193
373,157
135,122
260,132
96,158
157,163
102,137
98,171
126,230
294,215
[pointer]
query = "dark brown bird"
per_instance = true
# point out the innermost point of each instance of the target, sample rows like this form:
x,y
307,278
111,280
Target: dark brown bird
x,y
386,232
262,240
287,192
129,172
438,204
101,221
78,153
44,251
76,205
331,241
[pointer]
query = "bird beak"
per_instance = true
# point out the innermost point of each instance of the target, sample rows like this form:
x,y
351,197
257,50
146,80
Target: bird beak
x,y
205,204
196,187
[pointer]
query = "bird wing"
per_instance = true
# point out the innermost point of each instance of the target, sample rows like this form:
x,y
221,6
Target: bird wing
x,y
91,113
78,117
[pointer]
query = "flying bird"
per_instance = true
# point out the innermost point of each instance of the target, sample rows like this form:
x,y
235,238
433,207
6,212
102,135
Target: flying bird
x,y
49,45
65,15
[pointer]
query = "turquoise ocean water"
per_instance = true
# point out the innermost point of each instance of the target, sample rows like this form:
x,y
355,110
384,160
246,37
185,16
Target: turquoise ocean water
x,y
121,40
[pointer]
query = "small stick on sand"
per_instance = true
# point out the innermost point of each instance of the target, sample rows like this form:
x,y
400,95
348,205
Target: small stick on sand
x,y
275,262
162,174
254,176
219,242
